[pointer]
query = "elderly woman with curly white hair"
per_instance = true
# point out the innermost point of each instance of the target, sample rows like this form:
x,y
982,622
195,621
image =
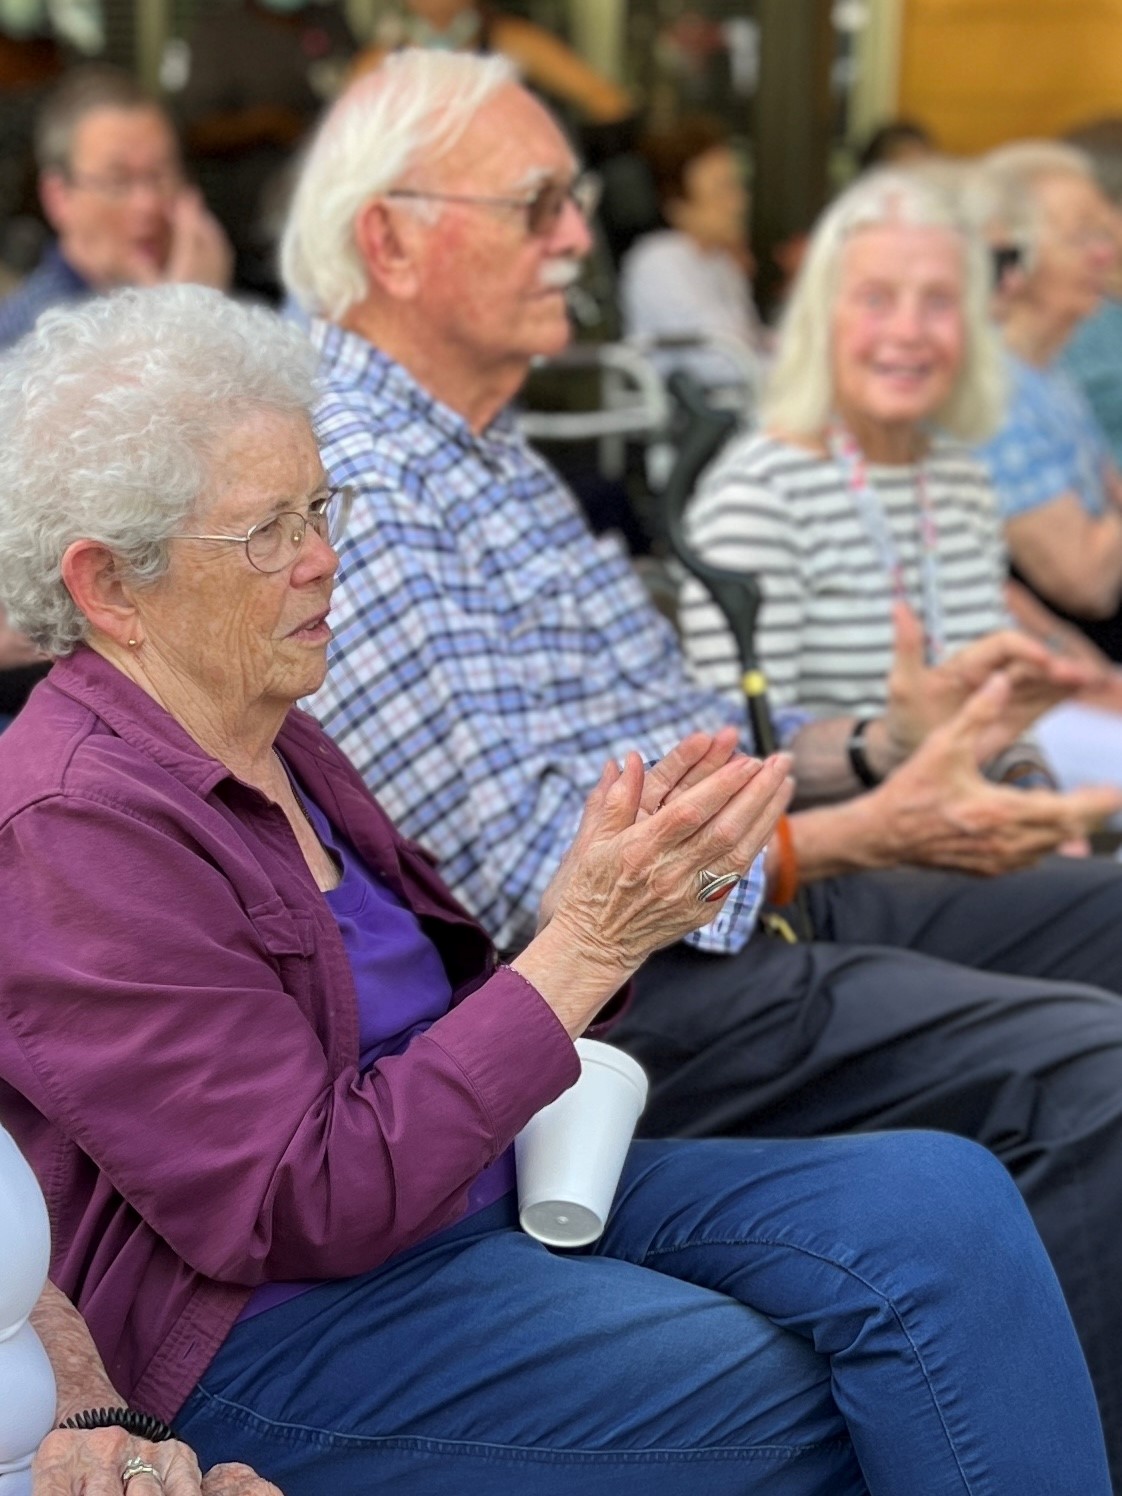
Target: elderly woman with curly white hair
x,y
859,506
269,1073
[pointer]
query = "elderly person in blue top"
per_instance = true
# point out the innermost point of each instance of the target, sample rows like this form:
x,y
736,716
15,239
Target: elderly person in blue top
x,y
489,652
112,187
1093,355
269,1073
1059,492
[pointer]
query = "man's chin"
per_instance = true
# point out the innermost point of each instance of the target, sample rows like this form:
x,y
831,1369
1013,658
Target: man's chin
x,y
555,340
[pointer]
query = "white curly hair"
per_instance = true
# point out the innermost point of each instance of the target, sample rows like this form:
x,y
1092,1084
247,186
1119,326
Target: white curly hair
x,y
109,417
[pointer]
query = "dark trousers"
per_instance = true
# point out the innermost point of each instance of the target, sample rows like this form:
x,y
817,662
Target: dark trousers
x,y
984,1007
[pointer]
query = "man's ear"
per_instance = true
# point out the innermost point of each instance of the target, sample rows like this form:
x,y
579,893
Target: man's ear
x,y
388,241
92,576
53,189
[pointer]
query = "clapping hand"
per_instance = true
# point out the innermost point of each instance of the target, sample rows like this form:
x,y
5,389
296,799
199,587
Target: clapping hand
x,y
691,761
938,809
923,697
629,883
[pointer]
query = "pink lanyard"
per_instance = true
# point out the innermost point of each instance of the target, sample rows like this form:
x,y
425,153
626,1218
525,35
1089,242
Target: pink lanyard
x,y
849,457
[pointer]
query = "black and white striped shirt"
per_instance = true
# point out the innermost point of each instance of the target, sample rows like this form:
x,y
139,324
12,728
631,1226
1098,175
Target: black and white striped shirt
x,y
824,634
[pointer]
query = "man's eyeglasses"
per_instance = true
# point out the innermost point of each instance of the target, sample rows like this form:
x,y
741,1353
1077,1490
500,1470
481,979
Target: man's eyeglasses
x,y
543,208
275,543
164,182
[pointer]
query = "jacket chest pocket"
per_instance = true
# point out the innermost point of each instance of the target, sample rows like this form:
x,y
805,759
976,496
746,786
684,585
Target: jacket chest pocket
x,y
288,937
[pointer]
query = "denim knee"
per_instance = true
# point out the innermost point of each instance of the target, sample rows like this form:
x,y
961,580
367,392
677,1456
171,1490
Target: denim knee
x,y
956,1208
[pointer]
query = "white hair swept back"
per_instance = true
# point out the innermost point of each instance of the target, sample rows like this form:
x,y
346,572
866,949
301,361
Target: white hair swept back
x,y
1002,197
395,121
110,414
799,397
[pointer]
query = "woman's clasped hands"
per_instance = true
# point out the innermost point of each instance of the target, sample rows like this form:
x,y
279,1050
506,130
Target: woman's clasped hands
x,y
630,882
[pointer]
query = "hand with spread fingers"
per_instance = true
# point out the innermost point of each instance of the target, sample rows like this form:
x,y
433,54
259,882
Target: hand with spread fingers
x,y
939,811
635,880
922,697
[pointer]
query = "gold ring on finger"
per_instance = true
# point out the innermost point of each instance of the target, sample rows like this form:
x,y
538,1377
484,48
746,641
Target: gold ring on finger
x,y
136,1466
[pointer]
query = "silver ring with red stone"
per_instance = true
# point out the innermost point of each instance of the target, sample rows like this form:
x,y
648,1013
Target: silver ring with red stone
x,y
714,886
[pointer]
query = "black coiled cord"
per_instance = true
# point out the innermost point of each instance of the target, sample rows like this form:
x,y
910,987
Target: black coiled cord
x,y
143,1425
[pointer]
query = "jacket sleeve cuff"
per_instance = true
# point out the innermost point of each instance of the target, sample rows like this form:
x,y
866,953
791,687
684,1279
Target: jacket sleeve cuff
x,y
511,1047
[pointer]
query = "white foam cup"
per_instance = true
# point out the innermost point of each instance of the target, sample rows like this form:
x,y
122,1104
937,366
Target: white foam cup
x,y
571,1154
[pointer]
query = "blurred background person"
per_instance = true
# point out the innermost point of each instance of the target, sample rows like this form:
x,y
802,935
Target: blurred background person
x,y
898,142
1093,355
1059,492
112,187
692,277
545,62
861,496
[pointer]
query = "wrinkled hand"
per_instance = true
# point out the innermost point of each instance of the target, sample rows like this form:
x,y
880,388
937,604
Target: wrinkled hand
x,y
200,253
922,697
691,761
236,1480
73,1462
938,810
630,885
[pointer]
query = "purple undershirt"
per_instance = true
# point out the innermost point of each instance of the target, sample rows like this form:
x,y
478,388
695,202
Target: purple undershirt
x,y
402,988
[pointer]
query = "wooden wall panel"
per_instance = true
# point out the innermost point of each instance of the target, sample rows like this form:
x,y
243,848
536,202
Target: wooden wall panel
x,y
979,72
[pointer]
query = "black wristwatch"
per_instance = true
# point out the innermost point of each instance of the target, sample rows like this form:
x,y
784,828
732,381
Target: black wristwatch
x,y
143,1425
855,751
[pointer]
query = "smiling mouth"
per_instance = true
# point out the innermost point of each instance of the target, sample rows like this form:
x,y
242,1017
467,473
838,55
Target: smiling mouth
x,y
902,371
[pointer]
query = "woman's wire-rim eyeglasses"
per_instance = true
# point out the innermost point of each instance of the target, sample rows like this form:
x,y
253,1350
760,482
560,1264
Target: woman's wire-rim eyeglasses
x,y
275,543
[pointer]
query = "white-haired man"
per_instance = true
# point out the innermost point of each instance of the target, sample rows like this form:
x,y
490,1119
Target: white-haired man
x,y
490,654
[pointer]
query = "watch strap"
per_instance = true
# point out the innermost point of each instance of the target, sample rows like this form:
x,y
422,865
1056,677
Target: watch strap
x,y
855,751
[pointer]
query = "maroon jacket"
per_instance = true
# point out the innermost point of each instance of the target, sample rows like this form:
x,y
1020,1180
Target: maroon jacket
x,y
179,1030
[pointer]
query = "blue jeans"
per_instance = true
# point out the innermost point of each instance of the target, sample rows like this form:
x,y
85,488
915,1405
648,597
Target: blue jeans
x,y
834,1316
